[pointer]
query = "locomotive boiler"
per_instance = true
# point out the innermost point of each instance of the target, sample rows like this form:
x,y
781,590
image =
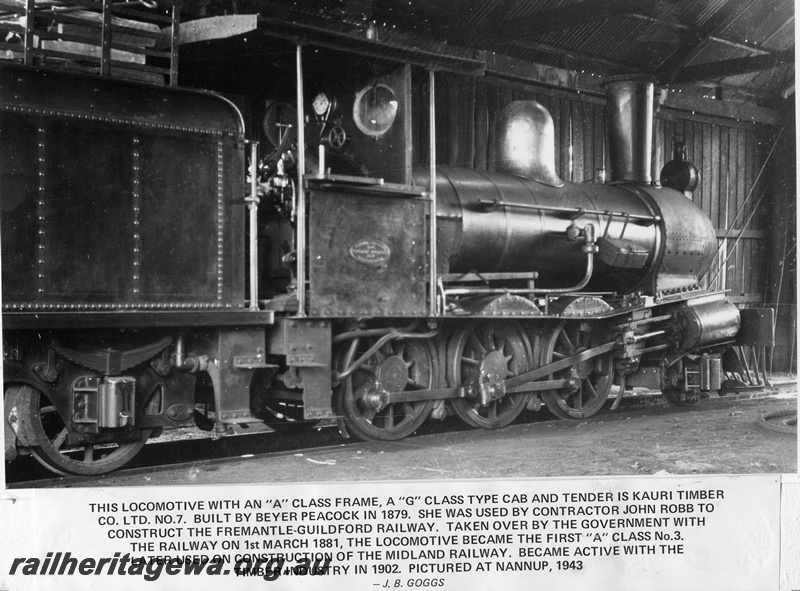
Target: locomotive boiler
x,y
150,281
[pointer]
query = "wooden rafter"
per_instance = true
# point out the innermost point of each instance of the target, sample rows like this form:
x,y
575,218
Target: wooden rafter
x,y
692,38
576,55
732,67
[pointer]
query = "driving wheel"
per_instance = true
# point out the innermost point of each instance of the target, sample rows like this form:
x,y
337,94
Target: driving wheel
x,y
588,382
397,366
481,356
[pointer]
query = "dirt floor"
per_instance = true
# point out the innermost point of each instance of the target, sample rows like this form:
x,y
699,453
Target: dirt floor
x,y
718,437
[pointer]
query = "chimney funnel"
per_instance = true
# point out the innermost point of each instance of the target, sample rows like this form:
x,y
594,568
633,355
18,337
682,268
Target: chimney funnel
x,y
629,109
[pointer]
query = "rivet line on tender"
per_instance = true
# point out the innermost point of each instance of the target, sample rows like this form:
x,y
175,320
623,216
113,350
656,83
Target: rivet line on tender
x,y
110,307
41,212
136,195
220,219
110,119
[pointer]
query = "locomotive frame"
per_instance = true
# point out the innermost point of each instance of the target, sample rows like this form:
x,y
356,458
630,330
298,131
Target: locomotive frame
x,y
417,293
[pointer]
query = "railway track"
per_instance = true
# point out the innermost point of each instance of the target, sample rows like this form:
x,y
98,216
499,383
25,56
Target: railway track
x,y
205,451
192,450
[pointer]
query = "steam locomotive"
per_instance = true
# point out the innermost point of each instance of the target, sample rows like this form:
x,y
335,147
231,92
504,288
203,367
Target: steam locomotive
x,y
158,272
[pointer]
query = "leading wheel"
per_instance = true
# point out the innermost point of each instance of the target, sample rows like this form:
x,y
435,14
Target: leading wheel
x,y
480,357
589,382
395,367
49,445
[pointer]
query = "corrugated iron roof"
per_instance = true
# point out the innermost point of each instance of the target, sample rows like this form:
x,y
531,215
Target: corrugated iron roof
x,y
599,37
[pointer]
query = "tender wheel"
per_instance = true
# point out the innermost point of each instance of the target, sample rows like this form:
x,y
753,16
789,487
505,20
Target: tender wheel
x,y
589,381
397,366
50,433
480,357
283,415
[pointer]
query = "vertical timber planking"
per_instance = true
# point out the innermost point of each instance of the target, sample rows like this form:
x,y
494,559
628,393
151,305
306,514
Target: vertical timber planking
x,y
748,242
696,157
715,201
469,96
492,111
705,165
576,132
441,98
455,122
559,126
564,145
587,131
600,149
482,122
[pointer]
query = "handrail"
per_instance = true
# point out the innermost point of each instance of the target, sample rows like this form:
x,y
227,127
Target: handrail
x,y
252,205
647,220
432,248
300,247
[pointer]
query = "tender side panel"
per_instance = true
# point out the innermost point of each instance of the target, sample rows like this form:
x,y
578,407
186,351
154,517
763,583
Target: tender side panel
x,y
180,217
86,228
118,196
18,203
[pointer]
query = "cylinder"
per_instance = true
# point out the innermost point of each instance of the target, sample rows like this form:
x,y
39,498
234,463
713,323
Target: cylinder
x,y
630,127
707,320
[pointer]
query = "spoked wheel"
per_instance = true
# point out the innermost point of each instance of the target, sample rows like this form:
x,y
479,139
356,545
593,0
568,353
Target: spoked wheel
x,y
590,381
480,357
397,366
282,414
50,433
